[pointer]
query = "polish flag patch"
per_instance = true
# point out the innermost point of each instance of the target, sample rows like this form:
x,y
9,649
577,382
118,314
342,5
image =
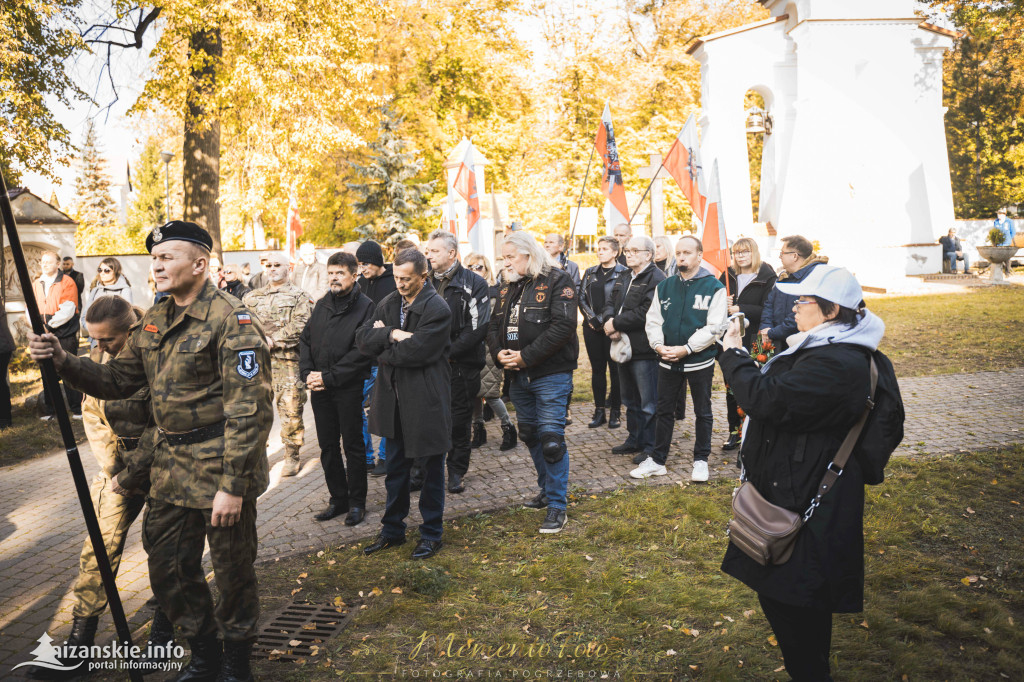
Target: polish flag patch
x,y
243,318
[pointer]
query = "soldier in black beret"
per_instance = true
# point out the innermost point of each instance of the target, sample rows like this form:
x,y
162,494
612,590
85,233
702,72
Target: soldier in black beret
x,y
181,230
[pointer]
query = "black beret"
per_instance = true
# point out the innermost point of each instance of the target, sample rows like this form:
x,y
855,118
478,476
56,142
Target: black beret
x,y
179,230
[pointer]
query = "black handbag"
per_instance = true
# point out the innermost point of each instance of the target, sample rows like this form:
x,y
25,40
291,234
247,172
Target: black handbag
x,y
766,532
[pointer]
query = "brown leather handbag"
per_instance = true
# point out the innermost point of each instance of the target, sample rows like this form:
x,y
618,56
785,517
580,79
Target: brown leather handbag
x,y
766,532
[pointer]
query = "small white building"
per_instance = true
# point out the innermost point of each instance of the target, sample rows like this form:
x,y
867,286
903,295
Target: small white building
x,y
856,154
41,227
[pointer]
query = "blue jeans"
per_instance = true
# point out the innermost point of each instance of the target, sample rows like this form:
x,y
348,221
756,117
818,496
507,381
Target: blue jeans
x,y
638,382
367,438
540,410
951,257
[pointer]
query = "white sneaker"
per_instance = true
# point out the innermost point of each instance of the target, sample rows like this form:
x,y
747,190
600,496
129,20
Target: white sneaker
x,y
700,471
649,467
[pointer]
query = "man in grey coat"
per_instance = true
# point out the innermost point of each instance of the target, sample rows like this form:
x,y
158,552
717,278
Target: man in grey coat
x,y
411,403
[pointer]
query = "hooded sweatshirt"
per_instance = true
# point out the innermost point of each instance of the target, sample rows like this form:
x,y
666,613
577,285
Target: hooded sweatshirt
x,y
868,332
688,312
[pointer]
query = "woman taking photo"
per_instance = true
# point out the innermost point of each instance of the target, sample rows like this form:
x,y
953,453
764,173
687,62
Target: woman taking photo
x,y
801,406
595,304
491,376
749,281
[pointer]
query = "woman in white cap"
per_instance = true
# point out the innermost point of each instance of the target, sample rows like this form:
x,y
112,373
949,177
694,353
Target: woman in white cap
x,y
800,406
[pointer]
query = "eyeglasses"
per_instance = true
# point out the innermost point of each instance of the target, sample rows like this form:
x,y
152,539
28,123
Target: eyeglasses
x,y
635,252
477,268
787,253
104,270
741,253
804,301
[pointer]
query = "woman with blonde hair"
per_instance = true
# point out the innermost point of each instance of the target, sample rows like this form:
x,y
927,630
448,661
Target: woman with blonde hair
x,y
749,281
491,376
664,255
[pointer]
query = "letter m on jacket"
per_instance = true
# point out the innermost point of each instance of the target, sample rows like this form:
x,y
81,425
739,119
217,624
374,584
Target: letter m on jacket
x,y
701,302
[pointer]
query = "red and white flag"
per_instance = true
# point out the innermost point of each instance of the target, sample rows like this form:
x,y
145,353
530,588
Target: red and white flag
x,y
293,227
716,244
611,184
683,162
465,185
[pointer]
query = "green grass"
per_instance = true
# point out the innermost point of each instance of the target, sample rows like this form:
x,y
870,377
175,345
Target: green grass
x,y
633,586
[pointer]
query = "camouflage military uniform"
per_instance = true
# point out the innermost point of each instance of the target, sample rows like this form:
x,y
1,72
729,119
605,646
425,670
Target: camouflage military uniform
x,y
283,312
206,369
105,422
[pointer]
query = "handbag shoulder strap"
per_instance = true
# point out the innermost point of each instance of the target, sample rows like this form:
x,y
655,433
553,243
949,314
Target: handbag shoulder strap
x,y
835,468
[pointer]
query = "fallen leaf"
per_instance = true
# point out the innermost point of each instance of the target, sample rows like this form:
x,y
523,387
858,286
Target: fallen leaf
x,y
309,626
1011,620
331,562
588,557
725,648
773,642
320,553
526,628
748,614
294,642
716,623
729,619
338,601
670,652
314,650
988,631
667,627
376,592
303,575
296,591
780,668
542,579
864,625
968,580
693,667
970,511
396,590
458,616
995,482
694,633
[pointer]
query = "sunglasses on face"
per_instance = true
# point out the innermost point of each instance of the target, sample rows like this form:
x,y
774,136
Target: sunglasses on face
x,y
477,268
105,269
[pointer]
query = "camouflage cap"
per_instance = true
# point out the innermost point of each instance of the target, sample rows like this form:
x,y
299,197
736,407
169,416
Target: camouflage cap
x,y
179,230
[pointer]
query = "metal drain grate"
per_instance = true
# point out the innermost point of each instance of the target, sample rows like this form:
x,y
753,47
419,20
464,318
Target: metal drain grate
x,y
300,629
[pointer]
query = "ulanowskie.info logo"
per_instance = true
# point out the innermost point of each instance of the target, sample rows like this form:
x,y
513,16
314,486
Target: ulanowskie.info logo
x,y
112,656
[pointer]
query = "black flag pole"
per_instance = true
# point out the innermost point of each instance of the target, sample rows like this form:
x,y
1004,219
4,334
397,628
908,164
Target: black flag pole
x,y
583,190
52,384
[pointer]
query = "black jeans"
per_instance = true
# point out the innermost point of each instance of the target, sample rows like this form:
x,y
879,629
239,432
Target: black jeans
x,y
599,351
396,482
465,386
5,389
805,637
670,385
337,413
70,345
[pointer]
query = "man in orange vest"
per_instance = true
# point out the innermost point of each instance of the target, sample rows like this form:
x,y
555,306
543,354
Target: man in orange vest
x,y
57,295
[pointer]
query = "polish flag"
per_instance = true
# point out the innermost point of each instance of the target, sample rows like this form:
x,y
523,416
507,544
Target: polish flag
x,y
716,245
611,184
683,162
465,185
293,227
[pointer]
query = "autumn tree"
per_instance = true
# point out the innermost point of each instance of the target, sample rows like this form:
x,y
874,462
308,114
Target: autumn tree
x,y
149,207
93,207
36,39
388,197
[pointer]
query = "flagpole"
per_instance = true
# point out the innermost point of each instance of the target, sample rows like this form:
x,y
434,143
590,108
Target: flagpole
x,y
649,185
583,190
53,387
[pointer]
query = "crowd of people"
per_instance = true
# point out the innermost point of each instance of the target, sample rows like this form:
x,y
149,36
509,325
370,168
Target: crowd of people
x,y
419,352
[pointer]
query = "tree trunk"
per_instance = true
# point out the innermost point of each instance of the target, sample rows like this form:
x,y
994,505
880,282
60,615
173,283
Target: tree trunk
x,y
201,151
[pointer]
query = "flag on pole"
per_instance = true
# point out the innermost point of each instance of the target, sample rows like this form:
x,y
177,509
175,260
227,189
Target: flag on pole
x,y
452,225
611,184
683,162
716,245
465,185
293,227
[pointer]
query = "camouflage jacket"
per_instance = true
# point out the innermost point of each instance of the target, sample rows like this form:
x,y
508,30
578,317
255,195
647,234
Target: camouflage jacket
x,y
283,313
106,420
206,366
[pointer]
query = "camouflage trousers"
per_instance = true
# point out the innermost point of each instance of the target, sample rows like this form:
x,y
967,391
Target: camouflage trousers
x,y
115,514
174,537
290,396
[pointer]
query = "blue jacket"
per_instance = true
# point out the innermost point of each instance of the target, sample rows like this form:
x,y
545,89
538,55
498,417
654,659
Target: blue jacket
x,y
1006,227
777,316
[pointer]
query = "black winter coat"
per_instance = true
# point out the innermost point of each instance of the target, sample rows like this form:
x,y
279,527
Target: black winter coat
x,y
800,411
470,302
414,376
547,323
751,299
629,305
380,286
327,343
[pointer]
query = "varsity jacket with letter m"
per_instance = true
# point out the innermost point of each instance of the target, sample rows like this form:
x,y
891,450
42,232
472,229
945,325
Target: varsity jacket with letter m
x,y
687,312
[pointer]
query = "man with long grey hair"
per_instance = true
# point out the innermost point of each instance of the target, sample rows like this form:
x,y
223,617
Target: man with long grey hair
x,y
533,335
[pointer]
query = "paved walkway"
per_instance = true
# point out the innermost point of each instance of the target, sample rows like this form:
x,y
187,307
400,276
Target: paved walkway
x,y
41,529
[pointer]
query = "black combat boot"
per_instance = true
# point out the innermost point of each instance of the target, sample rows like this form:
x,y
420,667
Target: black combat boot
x,y
479,435
158,647
508,437
235,666
83,634
204,663
614,418
598,418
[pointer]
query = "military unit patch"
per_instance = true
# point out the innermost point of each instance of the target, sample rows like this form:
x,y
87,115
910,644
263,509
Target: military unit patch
x,y
243,318
150,328
247,365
